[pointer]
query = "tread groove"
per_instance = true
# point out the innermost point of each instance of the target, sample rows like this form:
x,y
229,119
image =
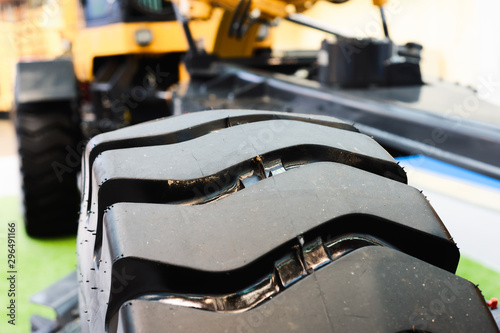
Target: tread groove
x,y
201,130
337,236
198,131
230,180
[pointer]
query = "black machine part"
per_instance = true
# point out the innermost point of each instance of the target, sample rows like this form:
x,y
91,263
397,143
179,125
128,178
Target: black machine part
x,y
45,81
97,14
363,62
62,297
215,219
438,119
131,89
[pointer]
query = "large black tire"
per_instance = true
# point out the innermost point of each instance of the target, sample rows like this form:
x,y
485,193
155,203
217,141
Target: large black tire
x,y
48,139
243,221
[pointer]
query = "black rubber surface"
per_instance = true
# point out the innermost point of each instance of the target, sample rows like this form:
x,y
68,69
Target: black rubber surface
x,y
248,221
373,289
48,141
45,81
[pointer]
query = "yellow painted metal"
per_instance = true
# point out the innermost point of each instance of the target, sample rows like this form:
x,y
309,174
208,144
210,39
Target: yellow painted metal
x,y
205,31
119,39
271,8
213,36
226,46
184,76
268,8
72,15
379,3
199,10
232,47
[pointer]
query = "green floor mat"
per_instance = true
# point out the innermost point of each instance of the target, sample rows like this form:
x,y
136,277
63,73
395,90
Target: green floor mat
x,y
38,264
487,279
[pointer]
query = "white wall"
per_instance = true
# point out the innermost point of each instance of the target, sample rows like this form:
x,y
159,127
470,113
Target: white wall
x,y
488,47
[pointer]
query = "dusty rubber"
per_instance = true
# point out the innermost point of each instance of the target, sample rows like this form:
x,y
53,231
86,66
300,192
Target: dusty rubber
x,y
250,221
48,139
